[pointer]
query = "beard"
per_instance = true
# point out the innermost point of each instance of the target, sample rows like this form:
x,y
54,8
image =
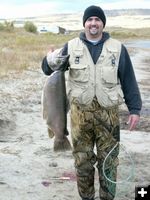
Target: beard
x,y
93,31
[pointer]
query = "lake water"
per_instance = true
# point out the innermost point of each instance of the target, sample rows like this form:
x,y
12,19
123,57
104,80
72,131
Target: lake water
x,y
139,44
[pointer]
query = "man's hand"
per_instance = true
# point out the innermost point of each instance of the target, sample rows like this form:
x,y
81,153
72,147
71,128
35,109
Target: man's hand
x,y
133,121
52,56
51,48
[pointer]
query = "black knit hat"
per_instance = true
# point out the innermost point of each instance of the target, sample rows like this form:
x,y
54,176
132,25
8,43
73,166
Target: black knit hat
x,y
94,11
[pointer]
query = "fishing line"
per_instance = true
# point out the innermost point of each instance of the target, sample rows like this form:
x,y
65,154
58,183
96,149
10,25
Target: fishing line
x,y
131,174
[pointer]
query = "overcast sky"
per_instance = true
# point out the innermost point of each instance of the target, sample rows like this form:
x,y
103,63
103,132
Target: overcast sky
x,y
30,8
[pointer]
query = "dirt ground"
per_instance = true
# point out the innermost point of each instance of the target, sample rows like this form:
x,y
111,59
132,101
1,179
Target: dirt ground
x,y
29,169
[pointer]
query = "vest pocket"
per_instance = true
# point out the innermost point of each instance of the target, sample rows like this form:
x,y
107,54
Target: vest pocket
x,y
114,94
79,73
109,76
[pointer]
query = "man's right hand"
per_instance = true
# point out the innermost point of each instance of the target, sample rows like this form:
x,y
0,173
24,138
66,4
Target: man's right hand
x,y
52,56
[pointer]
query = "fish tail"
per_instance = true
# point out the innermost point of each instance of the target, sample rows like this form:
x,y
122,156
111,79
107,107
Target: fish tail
x,y
62,145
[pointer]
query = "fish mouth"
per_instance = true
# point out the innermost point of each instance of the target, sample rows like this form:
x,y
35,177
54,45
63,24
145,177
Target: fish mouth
x,y
61,63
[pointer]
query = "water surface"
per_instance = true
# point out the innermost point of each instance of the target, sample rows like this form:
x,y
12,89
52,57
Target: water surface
x,y
139,44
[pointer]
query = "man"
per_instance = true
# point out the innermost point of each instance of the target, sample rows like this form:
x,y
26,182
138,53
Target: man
x,y
100,78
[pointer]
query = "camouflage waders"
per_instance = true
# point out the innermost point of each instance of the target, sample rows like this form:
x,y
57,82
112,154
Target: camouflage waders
x,y
94,125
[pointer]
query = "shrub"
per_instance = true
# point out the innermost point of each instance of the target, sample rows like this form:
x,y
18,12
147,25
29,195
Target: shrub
x,y
7,26
2,27
30,27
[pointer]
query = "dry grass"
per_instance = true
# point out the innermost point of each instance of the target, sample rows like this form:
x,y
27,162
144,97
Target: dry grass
x,y
126,33
20,50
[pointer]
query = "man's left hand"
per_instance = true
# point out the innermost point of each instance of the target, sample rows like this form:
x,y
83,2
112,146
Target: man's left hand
x,y
133,121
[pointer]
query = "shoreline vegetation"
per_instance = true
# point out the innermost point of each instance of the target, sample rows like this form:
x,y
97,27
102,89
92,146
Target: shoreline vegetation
x,y
20,50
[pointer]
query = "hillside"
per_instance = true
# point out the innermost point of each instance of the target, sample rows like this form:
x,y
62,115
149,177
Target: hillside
x,y
130,12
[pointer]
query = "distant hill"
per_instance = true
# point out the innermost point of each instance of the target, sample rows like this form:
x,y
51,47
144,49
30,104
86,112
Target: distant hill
x,y
126,18
113,13
109,13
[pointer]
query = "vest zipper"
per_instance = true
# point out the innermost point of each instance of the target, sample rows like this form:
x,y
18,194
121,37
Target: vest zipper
x,y
95,80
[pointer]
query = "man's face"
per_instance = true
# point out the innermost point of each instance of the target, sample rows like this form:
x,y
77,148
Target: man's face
x,y
93,26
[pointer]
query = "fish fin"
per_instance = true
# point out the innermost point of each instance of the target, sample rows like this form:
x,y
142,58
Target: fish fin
x,y
50,133
62,145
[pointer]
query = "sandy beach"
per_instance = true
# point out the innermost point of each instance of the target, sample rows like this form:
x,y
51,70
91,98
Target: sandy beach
x,y
29,168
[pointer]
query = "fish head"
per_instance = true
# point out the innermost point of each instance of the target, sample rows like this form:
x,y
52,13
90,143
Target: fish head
x,y
61,63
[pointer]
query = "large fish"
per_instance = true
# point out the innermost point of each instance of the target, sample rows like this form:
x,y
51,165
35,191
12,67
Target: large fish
x,y
55,106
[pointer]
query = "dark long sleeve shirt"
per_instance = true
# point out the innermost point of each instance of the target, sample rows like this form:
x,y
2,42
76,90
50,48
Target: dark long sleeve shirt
x,y
125,71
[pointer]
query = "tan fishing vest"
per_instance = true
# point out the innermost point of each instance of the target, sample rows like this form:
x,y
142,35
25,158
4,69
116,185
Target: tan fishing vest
x,y
87,79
